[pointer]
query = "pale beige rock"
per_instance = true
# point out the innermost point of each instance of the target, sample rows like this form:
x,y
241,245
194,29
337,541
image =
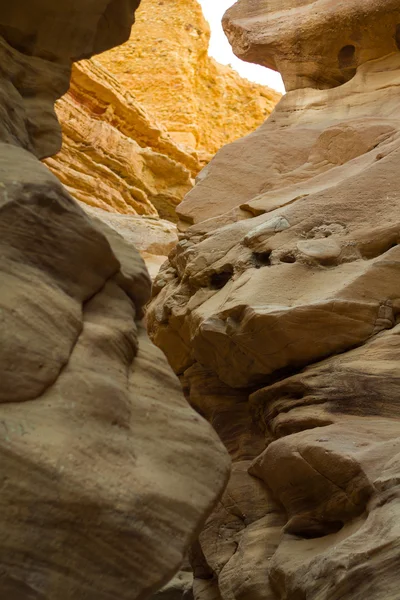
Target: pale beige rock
x,y
147,234
290,260
315,140
154,238
313,43
342,418
179,588
106,472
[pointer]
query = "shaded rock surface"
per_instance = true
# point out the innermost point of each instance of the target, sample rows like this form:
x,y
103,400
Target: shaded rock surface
x,y
179,588
155,238
279,309
106,472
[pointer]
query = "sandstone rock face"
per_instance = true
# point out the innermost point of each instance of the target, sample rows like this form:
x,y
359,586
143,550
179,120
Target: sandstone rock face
x,y
202,104
106,472
313,43
280,311
114,156
66,30
155,238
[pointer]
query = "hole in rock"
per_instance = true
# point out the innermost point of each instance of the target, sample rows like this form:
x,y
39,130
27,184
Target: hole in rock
x,y
332,261
262,259
346,56
378,248
397,36
218,280
315,530
288,258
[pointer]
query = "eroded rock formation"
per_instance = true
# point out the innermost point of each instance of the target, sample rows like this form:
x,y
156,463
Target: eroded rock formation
x,y
202,104
106,472
313,43
280,312
119,163
114,156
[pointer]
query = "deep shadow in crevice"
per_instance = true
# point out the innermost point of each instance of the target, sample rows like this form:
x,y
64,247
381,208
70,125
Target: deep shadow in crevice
x,y
219,280
347,61
370,251
312,530
262,259
288,258
397,36
346,57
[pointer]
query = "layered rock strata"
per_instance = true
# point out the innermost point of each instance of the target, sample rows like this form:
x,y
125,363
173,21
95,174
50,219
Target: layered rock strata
x,y
280,311
114,156
201,103
96,500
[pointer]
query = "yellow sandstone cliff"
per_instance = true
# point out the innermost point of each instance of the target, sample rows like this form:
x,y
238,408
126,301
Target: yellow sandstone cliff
x,y
140,121
166,66
114,155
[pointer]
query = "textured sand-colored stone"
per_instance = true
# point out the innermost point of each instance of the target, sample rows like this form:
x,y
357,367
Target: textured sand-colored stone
x,y
114,156
280,309
166,66
106,473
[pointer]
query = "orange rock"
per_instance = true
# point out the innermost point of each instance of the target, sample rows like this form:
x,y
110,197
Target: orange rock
x,y
114,156
166,66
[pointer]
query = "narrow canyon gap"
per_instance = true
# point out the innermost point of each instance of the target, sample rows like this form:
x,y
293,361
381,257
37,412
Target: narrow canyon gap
x,y
278,308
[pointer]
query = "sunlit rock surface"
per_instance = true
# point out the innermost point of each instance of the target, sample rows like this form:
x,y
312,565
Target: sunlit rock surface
x,y
201,103
114,155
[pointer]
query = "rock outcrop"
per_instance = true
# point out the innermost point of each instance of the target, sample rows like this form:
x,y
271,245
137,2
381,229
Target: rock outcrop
x,y
280,312
106,472
153,237
114,156
117,158
313,43
202,104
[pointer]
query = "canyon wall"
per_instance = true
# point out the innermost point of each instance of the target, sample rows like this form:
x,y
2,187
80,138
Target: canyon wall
x,y
139,122
96,501
119,163
114,155
201,103
279,310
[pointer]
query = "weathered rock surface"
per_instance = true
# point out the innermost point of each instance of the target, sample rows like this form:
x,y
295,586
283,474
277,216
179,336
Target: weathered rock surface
x,y
202,104
313,43
179,588
106,472
114,156
155,238
280,311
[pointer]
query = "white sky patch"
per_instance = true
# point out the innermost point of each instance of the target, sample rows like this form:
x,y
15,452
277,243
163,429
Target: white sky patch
x,y
221,50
